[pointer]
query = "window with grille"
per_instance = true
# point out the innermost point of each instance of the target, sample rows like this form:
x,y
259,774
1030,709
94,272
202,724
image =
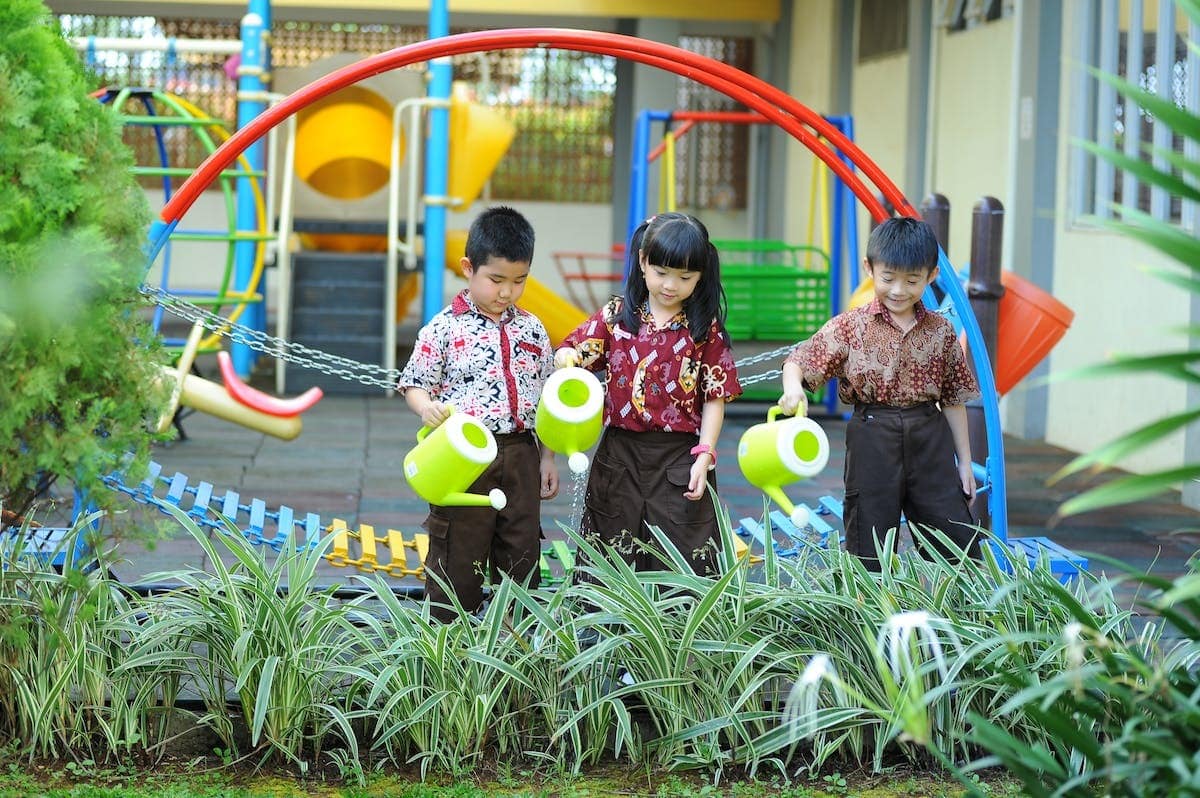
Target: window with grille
x,y
1157,61
561,102
712,160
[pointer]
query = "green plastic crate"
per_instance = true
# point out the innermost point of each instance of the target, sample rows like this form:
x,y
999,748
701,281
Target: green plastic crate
x,y
776,291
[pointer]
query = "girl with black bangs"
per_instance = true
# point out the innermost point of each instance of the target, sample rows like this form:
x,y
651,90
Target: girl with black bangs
x,y
669,372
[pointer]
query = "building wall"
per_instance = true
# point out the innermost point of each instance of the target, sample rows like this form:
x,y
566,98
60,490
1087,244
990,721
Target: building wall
x,y
971,97
1119,309
809,80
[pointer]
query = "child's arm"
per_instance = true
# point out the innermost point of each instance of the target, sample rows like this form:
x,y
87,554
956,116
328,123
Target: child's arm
x,y
432,413
549,474
794,401
956,415
711,419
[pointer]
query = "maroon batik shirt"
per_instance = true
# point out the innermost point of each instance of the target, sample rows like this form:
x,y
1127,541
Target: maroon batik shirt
x,y
876,363
492,370
658,378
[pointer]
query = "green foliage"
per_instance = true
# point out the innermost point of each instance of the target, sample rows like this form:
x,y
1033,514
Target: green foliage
x,y
1183,247
1123,718
788,669
76,376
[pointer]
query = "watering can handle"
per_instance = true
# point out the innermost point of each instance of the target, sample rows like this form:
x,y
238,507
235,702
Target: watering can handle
x,y
423,431
775,411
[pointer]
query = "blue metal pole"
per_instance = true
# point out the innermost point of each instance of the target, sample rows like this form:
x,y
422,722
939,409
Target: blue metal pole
x,y
251,103
994,467
637,174
437,166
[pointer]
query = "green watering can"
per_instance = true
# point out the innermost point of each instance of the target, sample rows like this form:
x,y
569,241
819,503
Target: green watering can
x,y
779,453
570,415
448,459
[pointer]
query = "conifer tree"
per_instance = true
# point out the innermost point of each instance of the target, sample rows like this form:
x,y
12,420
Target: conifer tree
x,y
77,363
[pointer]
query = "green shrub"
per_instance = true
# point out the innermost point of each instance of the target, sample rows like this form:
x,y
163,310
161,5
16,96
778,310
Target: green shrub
x,y
77,375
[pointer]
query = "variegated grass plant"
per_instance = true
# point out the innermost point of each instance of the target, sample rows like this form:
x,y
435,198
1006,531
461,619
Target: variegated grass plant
x,y
259,629
772,667
1121,713
66,685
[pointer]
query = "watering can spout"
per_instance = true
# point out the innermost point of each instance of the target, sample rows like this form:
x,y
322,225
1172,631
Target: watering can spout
x,y
797,515
494,499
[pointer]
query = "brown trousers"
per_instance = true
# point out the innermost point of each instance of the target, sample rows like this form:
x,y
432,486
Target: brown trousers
x,y
639,478
902,460
467,543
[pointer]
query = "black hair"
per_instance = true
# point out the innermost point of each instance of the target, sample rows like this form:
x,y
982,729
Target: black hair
x,y
904,243
500,232
675,241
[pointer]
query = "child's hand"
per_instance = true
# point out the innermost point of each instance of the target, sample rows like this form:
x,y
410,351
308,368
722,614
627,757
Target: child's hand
x,y
566,357
966,475
698,480
794,403
434,414
549,479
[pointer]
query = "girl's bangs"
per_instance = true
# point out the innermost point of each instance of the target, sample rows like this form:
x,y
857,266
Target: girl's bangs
x,y
673,251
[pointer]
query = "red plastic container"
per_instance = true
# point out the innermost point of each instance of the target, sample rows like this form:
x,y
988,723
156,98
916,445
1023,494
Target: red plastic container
x,y
1030,322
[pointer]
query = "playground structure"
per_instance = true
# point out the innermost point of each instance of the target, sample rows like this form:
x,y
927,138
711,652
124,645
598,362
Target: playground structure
x,y
778,292
162,114
356,204
774,105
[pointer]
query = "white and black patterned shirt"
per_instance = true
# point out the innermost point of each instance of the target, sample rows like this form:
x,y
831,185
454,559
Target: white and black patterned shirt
x,y
491,370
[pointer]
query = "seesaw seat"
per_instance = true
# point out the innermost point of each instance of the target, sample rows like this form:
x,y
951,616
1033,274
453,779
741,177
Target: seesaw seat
x,y
257,400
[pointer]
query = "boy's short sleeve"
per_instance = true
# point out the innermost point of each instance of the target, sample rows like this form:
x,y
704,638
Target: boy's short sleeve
x,y
426,366
959,385
823,356
718,376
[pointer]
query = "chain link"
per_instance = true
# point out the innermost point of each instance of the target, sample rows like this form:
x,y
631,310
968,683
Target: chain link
x,y
271,346
344,368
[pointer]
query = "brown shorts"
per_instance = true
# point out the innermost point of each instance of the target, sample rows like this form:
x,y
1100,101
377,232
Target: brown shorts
x,y
468,543
639,478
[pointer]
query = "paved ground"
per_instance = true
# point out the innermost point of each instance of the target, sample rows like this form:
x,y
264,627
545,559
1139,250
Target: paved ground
x,y
347,464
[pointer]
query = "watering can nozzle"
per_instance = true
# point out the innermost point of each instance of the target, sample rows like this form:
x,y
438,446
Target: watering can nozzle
x,y
494,499
577,462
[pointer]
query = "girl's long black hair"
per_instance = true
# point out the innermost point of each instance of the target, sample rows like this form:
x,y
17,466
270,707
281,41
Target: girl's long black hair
x,y
675,241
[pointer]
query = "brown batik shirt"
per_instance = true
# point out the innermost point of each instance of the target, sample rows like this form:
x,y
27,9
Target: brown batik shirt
x,y
876,363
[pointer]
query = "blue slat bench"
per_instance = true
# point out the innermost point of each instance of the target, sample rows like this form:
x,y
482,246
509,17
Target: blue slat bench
x,y
1064,563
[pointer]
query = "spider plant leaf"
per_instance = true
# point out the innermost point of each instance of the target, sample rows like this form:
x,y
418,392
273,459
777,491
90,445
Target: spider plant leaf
x,y
1144,171
1170,364
1179,120
1177,160
1190,284
1168,239
1126,490
262,701
1108,455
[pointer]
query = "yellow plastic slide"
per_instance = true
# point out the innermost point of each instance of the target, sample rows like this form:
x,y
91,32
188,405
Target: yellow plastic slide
x,y
559,315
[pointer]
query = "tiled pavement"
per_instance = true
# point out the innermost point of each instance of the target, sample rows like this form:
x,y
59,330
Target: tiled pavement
x,y
347,464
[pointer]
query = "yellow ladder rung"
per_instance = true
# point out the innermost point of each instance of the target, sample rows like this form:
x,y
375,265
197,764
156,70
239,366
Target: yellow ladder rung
x,y
341,544
422,541
742,549
366,538
396,542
